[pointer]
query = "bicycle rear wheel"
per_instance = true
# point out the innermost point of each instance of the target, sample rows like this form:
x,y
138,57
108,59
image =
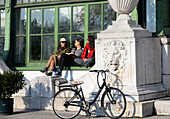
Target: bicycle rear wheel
x,y
114,103
67,104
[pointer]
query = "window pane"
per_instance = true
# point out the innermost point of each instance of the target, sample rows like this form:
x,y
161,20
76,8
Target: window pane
x,y
64,19
49,18
48,47
25,1
1,2
151,15
2,22
18,1
109,16
75,37
32,0
39,0
21,15
36,18
67,37
2,44
20,50
95,18
78,18
35,48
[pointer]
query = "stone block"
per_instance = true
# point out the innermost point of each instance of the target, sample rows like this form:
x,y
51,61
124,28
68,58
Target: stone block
x,y
22,102
162,106
41,86
139,109
166,83
46,103
35,103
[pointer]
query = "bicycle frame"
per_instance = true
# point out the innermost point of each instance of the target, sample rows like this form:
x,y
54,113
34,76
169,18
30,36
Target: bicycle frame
x,y
98,93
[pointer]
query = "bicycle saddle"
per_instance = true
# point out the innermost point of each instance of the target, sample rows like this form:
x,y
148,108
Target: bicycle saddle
x,y
77,82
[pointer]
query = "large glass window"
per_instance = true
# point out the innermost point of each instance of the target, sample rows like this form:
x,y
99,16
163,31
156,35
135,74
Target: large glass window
x,y
151,15
46,27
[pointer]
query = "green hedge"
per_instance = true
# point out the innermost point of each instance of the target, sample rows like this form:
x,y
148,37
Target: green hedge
x,y
10,83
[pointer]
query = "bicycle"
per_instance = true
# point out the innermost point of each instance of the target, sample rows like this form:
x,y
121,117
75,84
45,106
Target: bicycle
x,y
69,101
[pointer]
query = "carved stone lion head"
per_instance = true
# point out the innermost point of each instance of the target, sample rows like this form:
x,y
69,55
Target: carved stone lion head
x,y
115,56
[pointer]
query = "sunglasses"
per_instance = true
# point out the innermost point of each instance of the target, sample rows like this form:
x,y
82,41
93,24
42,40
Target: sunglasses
x,y
63,41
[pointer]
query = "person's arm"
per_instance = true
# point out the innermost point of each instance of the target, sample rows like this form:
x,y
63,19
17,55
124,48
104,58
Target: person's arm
x,y
84,52
66,50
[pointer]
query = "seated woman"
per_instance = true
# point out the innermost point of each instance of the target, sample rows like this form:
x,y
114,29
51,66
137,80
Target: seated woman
x,y
68,58
54,59
88,56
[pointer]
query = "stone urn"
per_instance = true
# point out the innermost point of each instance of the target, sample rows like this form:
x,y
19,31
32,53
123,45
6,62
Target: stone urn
x,y
123,7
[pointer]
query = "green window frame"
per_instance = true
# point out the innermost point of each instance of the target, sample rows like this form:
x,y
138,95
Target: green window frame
x,y
36,65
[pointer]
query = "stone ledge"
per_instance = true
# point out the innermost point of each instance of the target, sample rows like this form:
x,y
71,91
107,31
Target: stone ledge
x,y
162,106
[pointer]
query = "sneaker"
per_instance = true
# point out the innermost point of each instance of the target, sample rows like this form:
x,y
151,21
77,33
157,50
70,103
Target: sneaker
x,y
56,69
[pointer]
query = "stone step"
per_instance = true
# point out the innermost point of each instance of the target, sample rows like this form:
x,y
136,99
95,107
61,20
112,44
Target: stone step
x,y
162,106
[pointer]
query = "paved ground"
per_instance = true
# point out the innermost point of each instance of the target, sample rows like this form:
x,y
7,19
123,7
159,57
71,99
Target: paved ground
x,y
45,114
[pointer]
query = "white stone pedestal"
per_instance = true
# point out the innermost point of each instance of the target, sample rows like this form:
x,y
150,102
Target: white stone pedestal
x,y
134,55
166,63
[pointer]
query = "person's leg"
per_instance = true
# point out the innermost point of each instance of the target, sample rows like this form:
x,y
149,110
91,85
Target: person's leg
x,y
48,64
52,65
50,60
79,61
89,62
65,60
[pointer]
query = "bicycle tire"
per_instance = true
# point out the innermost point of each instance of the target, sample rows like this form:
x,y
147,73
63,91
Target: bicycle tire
x,y
67,104
113,108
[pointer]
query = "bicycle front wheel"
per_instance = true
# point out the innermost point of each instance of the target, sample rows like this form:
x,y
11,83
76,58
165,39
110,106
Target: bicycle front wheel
x,y
67,104
113,103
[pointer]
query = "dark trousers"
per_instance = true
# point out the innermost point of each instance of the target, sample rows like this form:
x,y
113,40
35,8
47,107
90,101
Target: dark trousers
x,y
65,60
89,62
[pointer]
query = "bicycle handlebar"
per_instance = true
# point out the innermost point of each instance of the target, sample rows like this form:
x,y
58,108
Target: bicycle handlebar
x,y
103,71
99,70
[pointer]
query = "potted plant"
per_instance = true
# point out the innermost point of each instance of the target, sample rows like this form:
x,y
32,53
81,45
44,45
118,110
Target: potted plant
x,y
10,83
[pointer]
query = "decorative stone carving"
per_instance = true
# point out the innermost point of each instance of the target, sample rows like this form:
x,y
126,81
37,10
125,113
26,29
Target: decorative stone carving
x,y
115,55
123,6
